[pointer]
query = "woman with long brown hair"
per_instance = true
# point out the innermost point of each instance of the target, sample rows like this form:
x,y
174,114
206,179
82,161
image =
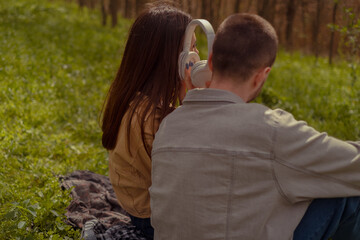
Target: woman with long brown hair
x,y
146,88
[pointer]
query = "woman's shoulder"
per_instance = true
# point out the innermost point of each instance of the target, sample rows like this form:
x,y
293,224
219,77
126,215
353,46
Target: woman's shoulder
x,y
142,107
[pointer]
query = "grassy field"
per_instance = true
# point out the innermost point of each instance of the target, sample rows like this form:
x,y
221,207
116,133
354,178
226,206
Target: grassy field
x,y
313,91
56,63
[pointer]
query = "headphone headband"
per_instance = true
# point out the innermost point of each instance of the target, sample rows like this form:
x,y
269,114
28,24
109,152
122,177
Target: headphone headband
x,y
200,72
207,28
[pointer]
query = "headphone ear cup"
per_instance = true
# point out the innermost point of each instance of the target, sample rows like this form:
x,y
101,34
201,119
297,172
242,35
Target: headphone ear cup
x,y
200,73
182,64
184,58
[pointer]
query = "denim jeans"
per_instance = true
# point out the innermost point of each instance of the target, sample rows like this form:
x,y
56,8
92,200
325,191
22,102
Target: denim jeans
x,y
335,218
143,224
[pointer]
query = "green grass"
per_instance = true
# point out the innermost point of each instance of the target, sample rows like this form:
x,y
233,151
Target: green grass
x,y
313,91
56,64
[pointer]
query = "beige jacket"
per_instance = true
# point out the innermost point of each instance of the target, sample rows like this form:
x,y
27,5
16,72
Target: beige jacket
x,y
225,169
130,172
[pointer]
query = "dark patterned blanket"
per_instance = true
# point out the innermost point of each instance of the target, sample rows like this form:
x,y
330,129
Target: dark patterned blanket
x,y
94,208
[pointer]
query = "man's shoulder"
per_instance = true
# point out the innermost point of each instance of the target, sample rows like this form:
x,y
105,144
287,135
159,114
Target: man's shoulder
x,y
236,110
277,114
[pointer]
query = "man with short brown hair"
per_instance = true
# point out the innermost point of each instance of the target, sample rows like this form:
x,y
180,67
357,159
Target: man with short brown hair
x,y
224,168
243,45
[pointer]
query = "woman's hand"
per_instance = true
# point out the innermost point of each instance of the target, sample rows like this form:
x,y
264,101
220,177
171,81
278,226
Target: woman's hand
x,y
186,84
187,79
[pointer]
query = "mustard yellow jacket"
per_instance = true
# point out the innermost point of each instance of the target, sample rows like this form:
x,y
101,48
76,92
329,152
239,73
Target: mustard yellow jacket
x,y
130,171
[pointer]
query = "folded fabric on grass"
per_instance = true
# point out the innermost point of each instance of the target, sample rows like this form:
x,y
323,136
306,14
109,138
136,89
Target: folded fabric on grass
x,y
95,230
94,208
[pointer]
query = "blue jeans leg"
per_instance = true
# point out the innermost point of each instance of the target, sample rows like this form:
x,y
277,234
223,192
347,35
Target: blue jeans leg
x,y
144,225
336,218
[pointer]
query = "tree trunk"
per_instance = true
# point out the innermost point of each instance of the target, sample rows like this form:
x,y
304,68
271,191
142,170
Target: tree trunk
x,y
92,4
303,10
127,8
237,6
139,6
331,47
215,12
316,27
113,7
290,15
272,11
262,5
103,12
205,9
266,9
81,3
249,5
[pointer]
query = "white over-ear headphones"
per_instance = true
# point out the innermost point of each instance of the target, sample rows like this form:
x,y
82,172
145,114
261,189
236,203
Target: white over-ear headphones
x,y
200,72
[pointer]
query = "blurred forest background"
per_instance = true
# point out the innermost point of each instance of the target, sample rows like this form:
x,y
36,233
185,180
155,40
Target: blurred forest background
x,y
58,58
319,27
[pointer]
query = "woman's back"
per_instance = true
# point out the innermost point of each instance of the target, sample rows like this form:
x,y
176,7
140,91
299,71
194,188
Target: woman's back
x,y
146,88
130,164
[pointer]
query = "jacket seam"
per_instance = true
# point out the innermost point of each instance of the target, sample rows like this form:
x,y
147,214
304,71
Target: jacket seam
x,y
209,101
229,197
303,170
273,159
265,155
139,213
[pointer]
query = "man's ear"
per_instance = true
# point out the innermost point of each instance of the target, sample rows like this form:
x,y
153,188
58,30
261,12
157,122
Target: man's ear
x,y
261,77
267,71
209,61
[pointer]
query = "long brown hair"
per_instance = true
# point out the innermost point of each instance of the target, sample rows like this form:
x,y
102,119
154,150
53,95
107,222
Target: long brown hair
x,y
149,70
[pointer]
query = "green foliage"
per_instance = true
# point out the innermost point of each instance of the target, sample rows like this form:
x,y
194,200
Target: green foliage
x,y
320,94
350,40
56,63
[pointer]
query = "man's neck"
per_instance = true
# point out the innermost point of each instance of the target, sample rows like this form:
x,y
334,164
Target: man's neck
x,y
230,85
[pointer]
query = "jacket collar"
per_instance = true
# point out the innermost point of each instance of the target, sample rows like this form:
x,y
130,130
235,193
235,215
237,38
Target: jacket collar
x,y
211,95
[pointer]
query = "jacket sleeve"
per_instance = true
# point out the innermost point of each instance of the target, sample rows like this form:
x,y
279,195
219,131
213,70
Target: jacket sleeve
x,y
308,164
151,126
